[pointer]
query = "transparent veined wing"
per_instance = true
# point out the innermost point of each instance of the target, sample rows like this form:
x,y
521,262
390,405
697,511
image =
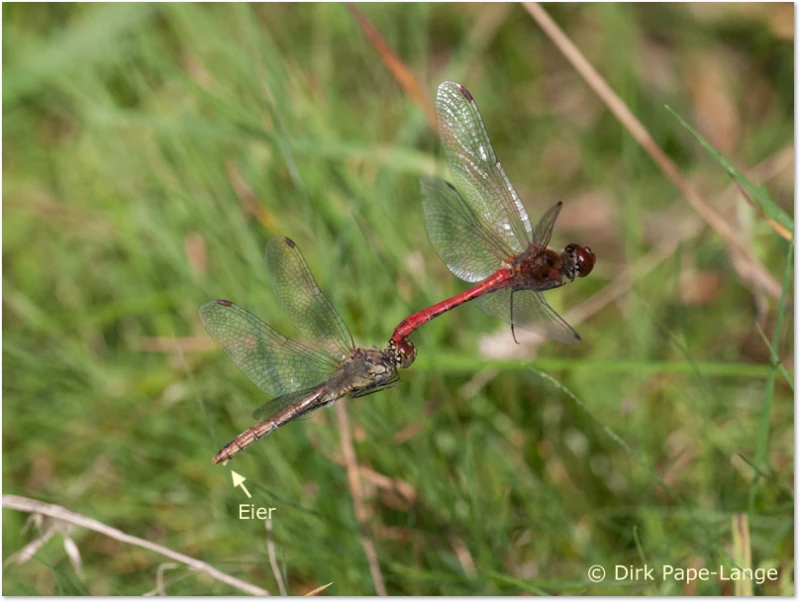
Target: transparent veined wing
x,y
470,250
478,174
308,307
279,404
275,364
544,229
530,311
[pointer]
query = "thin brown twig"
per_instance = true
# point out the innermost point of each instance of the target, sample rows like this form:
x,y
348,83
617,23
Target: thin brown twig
x,y
273,560
373,477
412,429
354,481
249,199
161,588
620,110
463,556
478,381
778,228
25,504
381,481
742,551
319,589
401,73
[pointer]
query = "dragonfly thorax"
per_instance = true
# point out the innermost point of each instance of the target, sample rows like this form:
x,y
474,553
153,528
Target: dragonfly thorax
x,y
540,271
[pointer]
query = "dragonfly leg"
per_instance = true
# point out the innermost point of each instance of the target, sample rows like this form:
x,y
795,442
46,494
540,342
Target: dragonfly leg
x,y
511,313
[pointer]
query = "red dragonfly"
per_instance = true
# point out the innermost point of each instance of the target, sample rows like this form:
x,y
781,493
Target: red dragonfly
x,y
483,234
300,379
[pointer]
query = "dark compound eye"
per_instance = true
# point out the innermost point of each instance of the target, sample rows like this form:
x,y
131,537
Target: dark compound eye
x,y
406,353
585,259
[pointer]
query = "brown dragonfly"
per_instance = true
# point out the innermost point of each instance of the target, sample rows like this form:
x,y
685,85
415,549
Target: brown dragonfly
x,y
300,379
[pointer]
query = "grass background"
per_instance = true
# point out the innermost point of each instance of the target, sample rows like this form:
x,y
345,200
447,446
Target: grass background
x,y
150,150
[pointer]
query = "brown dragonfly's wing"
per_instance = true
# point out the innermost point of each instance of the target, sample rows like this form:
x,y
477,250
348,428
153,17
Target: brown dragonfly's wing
x,y
461,239
275,407
529,311
308,307
478,174
275,364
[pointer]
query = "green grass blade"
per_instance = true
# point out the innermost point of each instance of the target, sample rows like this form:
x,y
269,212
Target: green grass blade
x,y
610,432
762,443
774,357
771,209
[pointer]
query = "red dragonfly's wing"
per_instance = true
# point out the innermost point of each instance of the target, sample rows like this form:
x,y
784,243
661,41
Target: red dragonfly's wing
x,y
478,174
471,251
529,311
308,307
275,364
544,229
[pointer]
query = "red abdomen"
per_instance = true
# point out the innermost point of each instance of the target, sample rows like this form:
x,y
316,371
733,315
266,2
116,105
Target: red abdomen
x,y
414,321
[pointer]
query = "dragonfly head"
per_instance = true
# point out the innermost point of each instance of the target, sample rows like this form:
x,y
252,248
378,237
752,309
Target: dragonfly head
x,y
403,353
583,258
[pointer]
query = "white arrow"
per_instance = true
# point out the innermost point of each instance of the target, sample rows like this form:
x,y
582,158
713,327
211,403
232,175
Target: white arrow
x,y
238,481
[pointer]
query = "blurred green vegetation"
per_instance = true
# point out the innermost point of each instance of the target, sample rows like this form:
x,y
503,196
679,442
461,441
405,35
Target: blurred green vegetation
x,y
150,150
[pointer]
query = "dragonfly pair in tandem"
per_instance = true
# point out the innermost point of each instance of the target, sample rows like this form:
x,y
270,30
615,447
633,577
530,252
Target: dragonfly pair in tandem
x,y
479,228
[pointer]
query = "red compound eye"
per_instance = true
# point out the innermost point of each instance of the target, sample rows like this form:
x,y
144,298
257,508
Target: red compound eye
x,y
584,258
406,353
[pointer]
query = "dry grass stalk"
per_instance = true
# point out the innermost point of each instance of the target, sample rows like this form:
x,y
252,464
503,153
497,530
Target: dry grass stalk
x,y
401,73
60,513
273,560
354,481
